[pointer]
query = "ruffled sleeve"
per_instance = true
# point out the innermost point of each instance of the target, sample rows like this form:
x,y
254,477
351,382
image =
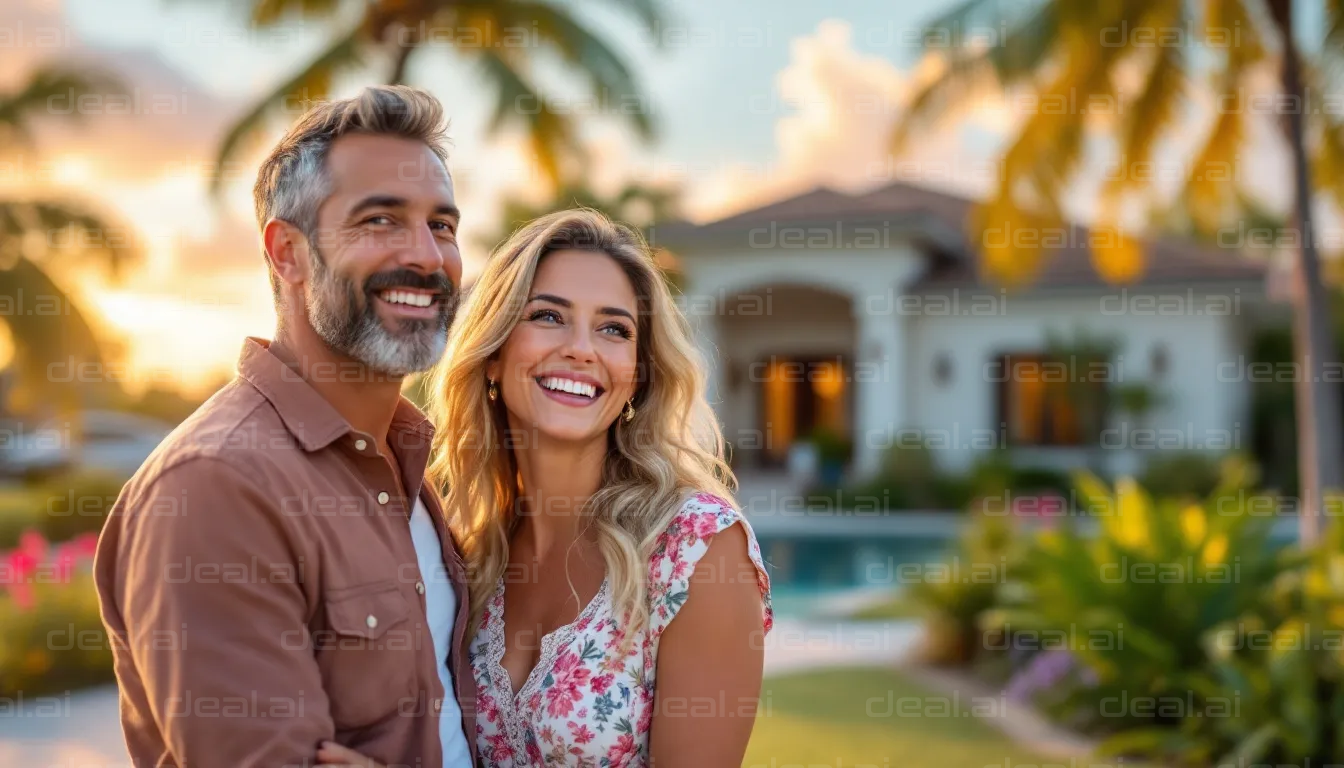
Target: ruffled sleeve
x,y
681,546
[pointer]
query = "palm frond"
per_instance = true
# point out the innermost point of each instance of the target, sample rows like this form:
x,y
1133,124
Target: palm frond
x,y
44,86
647,12
972,69
610,80
311,83
1334,26
46,230
263,13
550,132
1153,113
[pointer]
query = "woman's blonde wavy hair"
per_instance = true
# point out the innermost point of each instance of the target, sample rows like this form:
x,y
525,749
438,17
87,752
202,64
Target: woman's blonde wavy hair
x,y
673,446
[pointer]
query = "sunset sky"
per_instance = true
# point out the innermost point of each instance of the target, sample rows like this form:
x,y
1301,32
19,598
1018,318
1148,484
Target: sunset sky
x,y
752,99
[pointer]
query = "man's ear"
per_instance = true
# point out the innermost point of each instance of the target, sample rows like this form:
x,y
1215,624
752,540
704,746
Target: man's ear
x,y
287,250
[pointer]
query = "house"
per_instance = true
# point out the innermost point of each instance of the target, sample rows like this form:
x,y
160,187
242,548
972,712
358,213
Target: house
x,y
864,314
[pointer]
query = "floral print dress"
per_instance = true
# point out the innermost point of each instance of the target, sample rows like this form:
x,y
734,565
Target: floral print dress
x,y
588,702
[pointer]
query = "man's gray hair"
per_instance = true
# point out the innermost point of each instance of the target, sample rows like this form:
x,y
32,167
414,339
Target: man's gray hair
x,y
293,182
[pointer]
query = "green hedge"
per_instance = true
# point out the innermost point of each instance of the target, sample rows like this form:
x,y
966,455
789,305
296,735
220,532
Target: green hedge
x,y
60,508
55,644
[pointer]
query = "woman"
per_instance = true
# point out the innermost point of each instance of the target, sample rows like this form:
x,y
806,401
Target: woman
x,y
618,598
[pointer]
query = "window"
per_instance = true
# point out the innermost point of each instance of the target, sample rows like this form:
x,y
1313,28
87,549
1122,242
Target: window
x,y
1047,400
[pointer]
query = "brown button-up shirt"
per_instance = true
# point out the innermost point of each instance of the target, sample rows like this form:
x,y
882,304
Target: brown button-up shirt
x,y
261,589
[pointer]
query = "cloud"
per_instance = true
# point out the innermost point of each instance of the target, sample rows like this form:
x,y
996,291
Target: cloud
x,y
844,106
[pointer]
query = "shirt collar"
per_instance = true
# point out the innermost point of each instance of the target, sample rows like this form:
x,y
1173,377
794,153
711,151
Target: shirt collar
x,y
313,421
306,414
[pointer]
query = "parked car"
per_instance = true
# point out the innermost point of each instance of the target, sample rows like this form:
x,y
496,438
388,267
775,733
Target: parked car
x,y
113,442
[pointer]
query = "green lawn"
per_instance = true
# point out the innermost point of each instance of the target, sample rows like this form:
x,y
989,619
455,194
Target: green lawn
x,y
850,718
896,608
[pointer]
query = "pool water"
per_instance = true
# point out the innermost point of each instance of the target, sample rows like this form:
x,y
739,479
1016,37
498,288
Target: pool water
x,y
808,573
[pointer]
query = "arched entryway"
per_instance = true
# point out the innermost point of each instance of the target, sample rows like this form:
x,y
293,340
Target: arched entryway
x,y
785,369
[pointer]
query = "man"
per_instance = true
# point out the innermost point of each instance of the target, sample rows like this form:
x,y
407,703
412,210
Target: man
x,y
277,574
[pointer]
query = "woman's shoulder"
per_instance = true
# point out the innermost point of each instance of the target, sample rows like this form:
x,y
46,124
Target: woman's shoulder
x,y
684,542
700,516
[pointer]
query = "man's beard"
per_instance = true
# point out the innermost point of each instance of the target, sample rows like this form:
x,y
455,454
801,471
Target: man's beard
x,y
345,317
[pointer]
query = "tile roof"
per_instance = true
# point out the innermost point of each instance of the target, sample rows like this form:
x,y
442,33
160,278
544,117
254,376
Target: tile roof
x,y
939,219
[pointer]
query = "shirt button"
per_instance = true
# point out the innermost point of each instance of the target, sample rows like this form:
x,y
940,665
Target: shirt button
x,y
361,445
372,621
438,705
383,497
420,587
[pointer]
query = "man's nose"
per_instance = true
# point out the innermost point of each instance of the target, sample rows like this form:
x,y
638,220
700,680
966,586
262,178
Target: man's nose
x,y
423,253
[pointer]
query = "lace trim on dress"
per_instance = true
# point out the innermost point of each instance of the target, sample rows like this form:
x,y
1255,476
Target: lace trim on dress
x,y
513,704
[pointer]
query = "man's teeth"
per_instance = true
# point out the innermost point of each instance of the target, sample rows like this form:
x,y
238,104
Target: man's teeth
x,y
570,386
406,297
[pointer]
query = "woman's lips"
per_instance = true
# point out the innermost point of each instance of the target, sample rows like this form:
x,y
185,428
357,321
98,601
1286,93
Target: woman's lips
x,y
565,398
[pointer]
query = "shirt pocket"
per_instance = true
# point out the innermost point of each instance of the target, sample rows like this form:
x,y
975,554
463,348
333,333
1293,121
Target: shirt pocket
x,y
369,655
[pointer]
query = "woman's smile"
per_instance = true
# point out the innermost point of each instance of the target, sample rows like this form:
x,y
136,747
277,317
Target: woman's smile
x,y
569,391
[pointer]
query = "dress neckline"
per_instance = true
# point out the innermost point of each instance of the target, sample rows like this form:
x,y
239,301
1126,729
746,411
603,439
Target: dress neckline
x,y
551,644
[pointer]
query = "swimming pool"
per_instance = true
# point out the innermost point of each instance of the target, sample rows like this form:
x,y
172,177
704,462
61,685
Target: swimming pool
x,y
812,575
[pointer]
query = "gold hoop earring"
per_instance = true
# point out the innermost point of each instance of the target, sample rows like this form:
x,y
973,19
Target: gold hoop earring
x,y
630,409
492,391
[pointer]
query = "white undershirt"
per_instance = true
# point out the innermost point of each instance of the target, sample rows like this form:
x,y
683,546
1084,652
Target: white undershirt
x,y
441,607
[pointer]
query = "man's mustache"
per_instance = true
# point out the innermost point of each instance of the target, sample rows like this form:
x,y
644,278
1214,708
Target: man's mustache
x,y
406,278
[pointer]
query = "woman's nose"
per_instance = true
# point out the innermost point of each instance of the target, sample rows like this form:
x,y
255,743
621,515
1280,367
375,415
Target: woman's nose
x,y
579,344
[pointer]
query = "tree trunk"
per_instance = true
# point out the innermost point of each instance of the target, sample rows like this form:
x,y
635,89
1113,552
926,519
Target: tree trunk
x,y
1318,412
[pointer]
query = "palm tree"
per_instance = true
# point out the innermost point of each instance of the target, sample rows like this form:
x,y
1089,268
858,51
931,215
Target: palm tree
x,y
505,38
638,205
1077,55
39,234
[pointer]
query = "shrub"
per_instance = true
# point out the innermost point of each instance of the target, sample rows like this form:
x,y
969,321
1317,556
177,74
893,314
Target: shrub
x,y
51,637
1135,602
1187,474
987,553
1274,673
17,514
75,503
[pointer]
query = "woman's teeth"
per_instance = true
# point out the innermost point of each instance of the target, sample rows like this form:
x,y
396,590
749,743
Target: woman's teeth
x,y
568,385
406,297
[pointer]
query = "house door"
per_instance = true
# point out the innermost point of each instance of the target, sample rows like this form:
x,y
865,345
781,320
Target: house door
x,y
799,396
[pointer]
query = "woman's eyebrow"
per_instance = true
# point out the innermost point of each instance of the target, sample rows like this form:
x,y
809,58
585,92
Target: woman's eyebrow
x,y
617,311
567,304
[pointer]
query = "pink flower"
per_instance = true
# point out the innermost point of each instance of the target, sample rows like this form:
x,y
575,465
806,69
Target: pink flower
x,y
706,525
710,499
500,749
570,677
22,594
19,567
32,542
622,751
601,683
581,733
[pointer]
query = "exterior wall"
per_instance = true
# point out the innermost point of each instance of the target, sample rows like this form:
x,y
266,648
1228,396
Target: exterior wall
x,y
1205,389
750,303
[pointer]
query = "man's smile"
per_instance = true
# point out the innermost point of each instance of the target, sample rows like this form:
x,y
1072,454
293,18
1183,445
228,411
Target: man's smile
x,y
411,303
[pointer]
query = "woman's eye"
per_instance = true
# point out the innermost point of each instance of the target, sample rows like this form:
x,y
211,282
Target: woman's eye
x,y
617,329
546,315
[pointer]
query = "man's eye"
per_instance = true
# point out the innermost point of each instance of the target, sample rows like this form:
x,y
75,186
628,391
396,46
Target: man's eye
x,y
380,220
443,226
